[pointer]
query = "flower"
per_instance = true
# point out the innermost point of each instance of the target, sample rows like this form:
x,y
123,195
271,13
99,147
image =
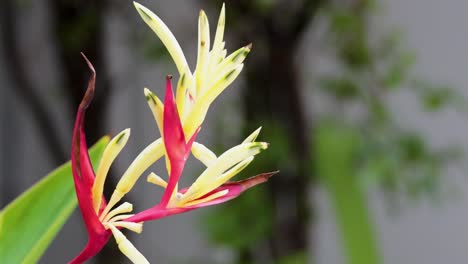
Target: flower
x,y
181,117
212,186
100,223
179,121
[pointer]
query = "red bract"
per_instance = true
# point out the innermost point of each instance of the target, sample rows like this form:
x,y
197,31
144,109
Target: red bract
x,y
83,176
177,149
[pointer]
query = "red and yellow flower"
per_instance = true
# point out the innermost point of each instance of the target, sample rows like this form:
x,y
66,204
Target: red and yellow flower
x,y
179,120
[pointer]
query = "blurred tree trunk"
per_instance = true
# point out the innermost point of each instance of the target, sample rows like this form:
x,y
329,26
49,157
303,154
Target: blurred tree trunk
x,y
273,94
79,27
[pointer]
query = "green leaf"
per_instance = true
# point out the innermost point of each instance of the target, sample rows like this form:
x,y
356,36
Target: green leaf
x,y
31,221
337,148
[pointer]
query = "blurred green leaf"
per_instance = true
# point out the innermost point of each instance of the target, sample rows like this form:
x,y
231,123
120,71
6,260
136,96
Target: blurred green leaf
x,y
435,99
31,221
341,88
230,224
337,148
298,258
398,70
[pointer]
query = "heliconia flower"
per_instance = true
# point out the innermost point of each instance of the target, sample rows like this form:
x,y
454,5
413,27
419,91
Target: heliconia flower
x,y
179,120
100,224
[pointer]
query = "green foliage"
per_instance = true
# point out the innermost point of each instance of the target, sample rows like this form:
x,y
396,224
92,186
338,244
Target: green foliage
x,y
436,97
337,150
368,72
298,258
232,224
31,221
343,88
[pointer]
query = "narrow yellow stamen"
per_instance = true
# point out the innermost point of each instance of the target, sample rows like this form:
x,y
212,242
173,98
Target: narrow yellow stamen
x,y
135,227
143,161
127,248
110,153
120,217
121,209
155,179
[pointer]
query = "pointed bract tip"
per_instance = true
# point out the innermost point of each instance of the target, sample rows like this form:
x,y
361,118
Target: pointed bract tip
x,y
123,136
255,180
248,46
169,77
147,91
127,131
136,4
88,97
90,65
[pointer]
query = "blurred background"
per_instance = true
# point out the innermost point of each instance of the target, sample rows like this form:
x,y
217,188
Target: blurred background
x,y
362,102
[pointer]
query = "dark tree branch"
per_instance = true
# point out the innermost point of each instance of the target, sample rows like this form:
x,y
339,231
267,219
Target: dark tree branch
x,y
305,15
23,87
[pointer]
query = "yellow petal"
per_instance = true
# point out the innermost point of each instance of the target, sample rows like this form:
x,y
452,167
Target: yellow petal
x,y
143,161
203,51
198,113
127,248
110,153
238,154
166,37
219,35
157,108
220,180
209,185
236,58
181,94
253,136
203,154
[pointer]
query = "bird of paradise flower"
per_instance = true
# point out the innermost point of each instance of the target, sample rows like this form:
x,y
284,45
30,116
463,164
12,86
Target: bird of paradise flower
x,y
179,121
